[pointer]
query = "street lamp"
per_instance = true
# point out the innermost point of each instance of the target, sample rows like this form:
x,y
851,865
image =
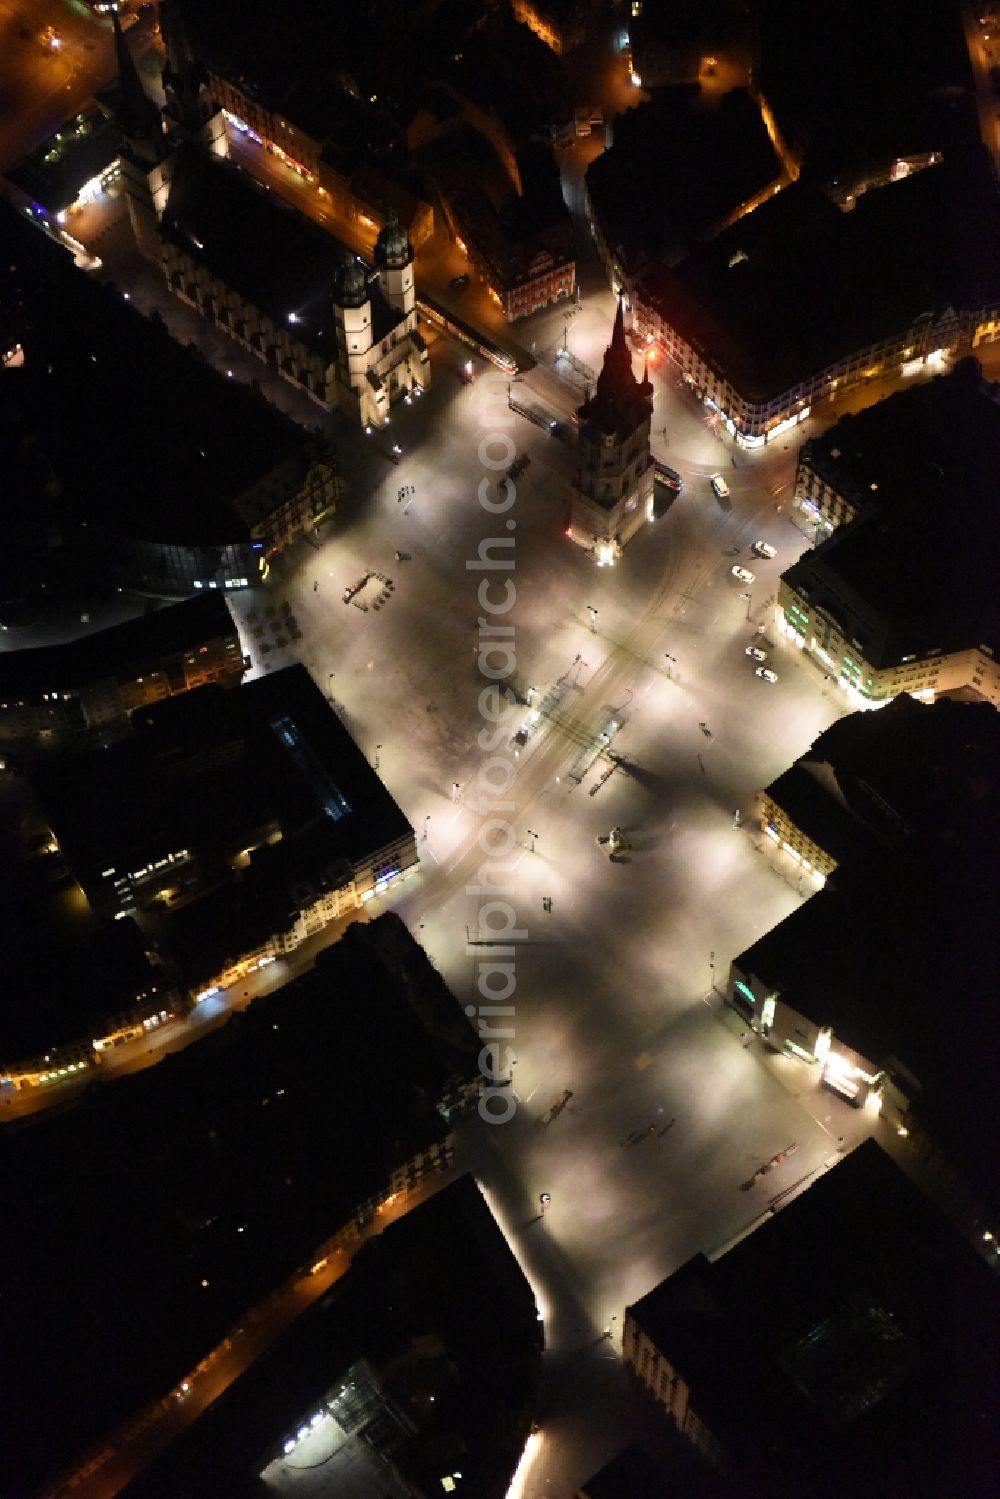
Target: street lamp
x,y
329,685
423,835
671,661
533,836
749,600
593,616
456,791
377,748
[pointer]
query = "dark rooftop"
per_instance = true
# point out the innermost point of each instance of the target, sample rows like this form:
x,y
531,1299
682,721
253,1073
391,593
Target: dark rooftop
x,y
124,651
675,170
253,241
53,174
411,1307
913,992
872,1327
937,443
293,1114
67,973
797,285
860,83
84,345
272,749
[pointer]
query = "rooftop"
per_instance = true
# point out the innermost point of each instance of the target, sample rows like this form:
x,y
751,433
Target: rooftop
x,y
912,992
269,752
253,241
675,170
124,651
797,285
528,232
936,443
405,1323
83,344
858,84
872,1326
53,174
294,1114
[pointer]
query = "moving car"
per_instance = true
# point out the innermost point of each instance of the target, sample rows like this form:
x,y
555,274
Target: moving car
x,y
756,652
766,675
764,549
743,573
719,486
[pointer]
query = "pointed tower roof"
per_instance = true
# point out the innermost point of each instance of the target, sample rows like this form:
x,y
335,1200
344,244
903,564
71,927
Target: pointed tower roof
x,y
138,116
392,248
183,75
620,402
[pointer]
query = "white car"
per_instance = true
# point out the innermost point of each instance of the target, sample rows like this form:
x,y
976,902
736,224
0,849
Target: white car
x,y
756,652
719,486
743,573
764,549
767,675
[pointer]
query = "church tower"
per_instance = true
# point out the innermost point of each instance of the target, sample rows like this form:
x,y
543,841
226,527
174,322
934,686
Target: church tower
x,y
352,316
144,160
190,110
394,260
613,496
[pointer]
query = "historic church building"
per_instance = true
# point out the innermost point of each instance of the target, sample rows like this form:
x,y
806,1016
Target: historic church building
x,y
266,275
613,494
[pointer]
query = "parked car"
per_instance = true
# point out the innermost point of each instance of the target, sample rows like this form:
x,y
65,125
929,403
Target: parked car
x,y
459,283
756,652
719,486
743,573
764,549
766,675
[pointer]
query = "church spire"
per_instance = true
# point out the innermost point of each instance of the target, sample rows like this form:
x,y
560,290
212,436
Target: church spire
x,y
620,401
138,117
183,75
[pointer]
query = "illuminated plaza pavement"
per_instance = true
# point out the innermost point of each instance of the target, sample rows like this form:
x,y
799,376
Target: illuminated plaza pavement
x,y
613,997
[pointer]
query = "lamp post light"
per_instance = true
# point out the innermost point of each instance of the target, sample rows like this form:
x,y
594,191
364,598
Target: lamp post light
x,y
377,748
423,835
456,791
593,617
671,661
533,836
748,597
329,685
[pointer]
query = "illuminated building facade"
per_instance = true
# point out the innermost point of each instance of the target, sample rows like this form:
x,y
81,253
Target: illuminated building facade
x,y
74,167
97,680
613,492
290,295
753,318
560,24
928,626
302,831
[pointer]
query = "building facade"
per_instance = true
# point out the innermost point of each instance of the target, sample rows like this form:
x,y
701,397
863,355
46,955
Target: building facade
x,y
613,493
560,24
98,680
